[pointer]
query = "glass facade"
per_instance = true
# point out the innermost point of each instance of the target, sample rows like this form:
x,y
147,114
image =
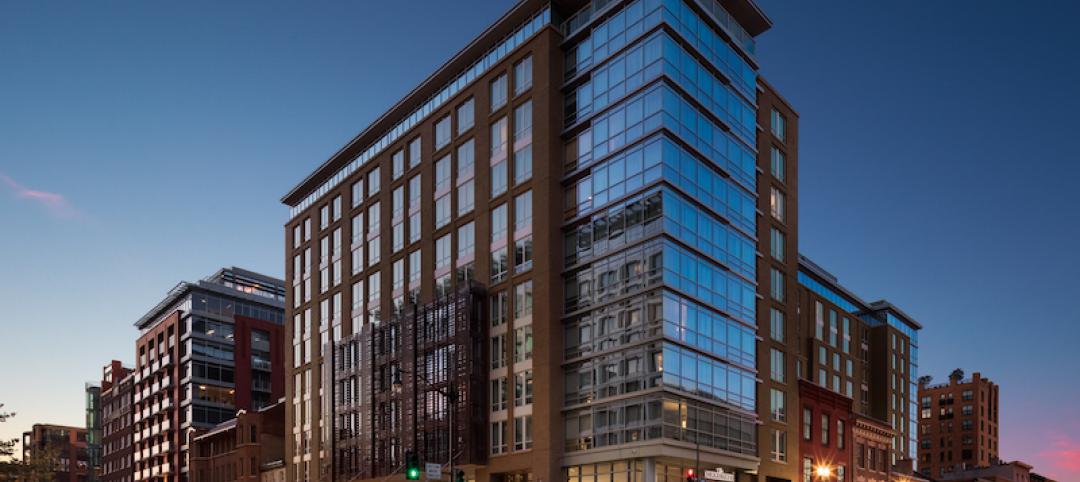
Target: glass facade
x,y
660,291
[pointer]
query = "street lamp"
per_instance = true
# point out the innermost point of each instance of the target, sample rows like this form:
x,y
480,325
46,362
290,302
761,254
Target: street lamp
x,y
823,472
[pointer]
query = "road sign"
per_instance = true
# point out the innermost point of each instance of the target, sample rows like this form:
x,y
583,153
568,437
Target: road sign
x,y
433,471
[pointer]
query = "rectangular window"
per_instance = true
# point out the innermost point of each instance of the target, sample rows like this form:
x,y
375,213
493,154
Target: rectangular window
x,y
777,163
442,211
324,216
523,75
398,164
523,432
357,192
778,124
523,209
442,174
337,207
523,388
414,270
498,178
466,197
466,160
500,305
523,164
776,244
499,138
498,222
442,253
498,437
373,253
776,204
777,365
824,429
523,299
498,352
779,446
442,132
414,152
373,182
807,420
498,92
523,121
466,241
778,404
776,324
500,264
840,434
776,284
466,115
498,394
523,343
523,254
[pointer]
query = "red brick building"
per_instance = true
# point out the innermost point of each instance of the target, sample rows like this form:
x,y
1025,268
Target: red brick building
x,y
66,445
117,423
958,425
825,421
239,449
870,453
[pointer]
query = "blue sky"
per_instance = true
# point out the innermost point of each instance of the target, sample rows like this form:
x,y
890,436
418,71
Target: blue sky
x,y
937,169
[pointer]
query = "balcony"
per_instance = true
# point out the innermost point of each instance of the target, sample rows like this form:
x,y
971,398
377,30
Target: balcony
x,y
138,397
166,403
146,432
137,437
145,372
166,361
138,475
166,382
137,456
156,387
165,468
165,426
145,453
165,447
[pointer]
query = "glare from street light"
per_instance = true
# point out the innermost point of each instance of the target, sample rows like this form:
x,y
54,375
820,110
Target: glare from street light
x,y
824,471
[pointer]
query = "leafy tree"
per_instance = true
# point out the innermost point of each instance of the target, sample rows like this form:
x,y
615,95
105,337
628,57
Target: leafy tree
x,y
7,447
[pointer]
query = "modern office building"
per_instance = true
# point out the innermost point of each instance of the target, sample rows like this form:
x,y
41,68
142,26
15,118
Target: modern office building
x,y
866,351
604,174
93,431
238,449
210,348
117,423
64,446
958,424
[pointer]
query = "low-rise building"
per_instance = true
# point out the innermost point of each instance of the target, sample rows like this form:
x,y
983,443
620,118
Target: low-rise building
x,y
243,449
66,446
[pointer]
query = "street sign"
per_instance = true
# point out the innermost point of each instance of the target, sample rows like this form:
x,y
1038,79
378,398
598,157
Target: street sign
x,y
720,475
433,471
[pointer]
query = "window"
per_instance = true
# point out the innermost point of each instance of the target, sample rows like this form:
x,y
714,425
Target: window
x,y
466,115
523,432
807,469
839,434
779,446
466,241
442,252
523,343
357,193
776,284
825,429
523,164
498,437
357,228
807,420
523,388
523,254
523,211
776,324
776,244
777,124
500,264
776,204
324,216
498,394
499,308
498,352
776,365
498,92
778,404
498,178
398,164
523,300
337,207
414,270
523,75
466,197
442,132
499,138
373,182
777,163
523,121
498,222
466,160
442,211
414,152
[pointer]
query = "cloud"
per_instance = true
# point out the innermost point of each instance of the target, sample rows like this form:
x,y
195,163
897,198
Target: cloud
x,y
1064,456
56,204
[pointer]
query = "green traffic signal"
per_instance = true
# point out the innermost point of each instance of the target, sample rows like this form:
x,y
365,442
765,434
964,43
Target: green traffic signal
x,y
413,473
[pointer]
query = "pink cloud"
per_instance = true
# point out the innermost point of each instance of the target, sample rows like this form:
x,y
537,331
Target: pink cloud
x,y
57,204
1064,456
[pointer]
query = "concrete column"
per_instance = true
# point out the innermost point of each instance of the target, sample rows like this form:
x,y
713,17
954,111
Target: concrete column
x,y
650,470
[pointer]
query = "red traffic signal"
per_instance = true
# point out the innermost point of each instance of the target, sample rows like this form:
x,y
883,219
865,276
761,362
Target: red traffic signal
x,y
691,476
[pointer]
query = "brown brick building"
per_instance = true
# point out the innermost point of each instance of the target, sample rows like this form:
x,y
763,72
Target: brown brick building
x,y
871,439
239,449
210,348
117,393
66,446
958,424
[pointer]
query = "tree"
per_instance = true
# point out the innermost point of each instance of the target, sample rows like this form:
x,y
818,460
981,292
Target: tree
x,y
7,447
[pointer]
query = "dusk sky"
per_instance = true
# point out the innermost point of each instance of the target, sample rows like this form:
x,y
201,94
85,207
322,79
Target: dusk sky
x,y
148,143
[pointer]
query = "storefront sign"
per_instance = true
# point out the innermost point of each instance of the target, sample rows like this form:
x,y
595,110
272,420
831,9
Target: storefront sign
x,y
720,475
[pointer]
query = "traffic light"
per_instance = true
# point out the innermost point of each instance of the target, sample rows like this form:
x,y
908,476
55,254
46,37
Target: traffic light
x,y
459,475
412,466
691,476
